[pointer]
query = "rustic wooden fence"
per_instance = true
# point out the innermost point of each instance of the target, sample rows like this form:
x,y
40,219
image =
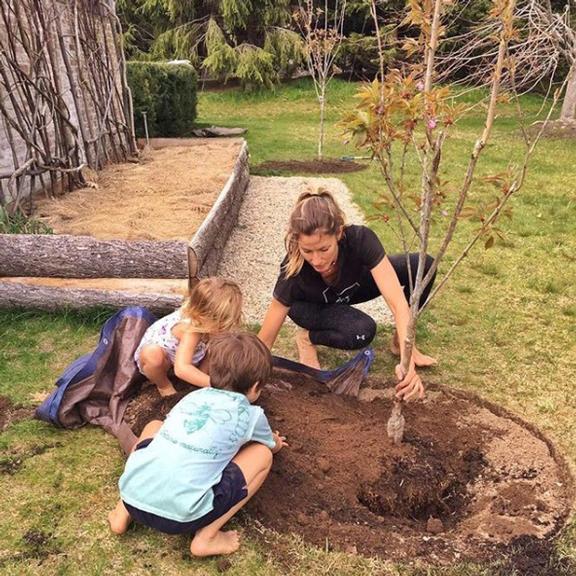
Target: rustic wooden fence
x,y
64,100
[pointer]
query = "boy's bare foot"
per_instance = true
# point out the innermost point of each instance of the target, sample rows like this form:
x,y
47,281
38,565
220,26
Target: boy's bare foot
x,y
220,543
119,519
420,360
306,350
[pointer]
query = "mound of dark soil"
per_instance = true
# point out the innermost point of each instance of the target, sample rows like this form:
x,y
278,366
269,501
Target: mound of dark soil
x,y
326,166
470,480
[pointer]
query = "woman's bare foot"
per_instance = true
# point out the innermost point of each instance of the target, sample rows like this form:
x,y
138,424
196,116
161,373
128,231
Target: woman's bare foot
x,y
119,519
420,360
219,543
306,350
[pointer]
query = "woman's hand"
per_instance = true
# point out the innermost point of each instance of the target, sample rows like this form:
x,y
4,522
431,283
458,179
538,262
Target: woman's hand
x,y
409,385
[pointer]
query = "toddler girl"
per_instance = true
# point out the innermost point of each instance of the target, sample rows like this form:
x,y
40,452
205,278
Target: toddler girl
x,y
180,339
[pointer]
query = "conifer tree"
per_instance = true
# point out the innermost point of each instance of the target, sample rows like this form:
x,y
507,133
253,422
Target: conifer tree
x,y
243,39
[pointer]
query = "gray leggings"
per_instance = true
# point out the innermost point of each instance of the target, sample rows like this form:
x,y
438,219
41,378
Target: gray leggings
x,y
347,328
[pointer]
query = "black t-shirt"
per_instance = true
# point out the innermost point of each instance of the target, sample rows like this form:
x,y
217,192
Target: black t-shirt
x,y
359,251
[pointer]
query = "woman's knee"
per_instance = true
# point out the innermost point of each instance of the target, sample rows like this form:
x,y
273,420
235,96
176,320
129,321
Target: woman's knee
x,y
360,334
305,314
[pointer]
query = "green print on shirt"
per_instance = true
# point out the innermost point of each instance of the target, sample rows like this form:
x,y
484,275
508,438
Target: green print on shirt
x,y
212,451
241,426
201,416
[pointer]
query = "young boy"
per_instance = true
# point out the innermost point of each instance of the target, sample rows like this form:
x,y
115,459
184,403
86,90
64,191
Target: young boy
x,y
193,472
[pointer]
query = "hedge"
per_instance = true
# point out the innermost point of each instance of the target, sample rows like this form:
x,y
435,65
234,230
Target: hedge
x,y
167,93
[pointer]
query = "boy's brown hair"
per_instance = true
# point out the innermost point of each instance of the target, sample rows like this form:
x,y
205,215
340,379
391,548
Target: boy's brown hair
x,y
237,361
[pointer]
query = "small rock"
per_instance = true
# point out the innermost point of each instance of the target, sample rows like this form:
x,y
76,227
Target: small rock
x,y
302,519
324,464
324,516
434,526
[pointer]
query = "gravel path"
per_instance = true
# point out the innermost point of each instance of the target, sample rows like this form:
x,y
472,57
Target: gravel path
x,y
255,249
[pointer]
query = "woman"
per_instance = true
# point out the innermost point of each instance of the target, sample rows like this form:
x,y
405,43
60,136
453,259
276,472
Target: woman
x,y
328,267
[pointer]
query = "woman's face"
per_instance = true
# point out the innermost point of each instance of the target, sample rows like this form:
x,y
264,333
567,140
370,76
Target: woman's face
x,y
320,250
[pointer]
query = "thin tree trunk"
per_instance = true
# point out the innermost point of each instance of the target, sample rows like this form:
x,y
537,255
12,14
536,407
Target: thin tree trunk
x,y
568,111
322,101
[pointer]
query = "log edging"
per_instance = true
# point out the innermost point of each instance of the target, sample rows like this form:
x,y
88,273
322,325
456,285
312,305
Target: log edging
x,y
69,256
52,298
206,247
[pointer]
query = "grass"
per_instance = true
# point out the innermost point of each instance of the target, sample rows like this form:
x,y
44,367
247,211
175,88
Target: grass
x,y
503,327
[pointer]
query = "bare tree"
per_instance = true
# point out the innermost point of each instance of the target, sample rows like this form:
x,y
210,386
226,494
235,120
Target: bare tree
x,y
322,30
544,39
409,110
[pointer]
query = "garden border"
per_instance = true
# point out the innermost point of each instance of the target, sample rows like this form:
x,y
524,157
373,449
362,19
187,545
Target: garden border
x,y
25,256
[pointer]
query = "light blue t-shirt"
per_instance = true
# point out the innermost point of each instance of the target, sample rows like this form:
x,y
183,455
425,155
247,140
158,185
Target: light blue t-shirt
x,y
173,477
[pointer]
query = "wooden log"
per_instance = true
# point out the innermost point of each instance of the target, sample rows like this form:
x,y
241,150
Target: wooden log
x,y
52,297
67,256
207,245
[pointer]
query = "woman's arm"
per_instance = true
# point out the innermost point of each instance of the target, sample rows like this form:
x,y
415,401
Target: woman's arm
x,y
410,385
273,320
183,367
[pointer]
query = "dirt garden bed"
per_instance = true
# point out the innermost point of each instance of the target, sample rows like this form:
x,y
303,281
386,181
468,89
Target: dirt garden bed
x,y
470,482
166,217
165,196
326,166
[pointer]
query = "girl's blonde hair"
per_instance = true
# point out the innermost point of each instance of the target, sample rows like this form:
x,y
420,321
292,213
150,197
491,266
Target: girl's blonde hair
x,y
314,212
213,305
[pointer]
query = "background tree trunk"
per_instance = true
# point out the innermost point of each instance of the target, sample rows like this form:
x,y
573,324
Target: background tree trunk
x,y
322,101
568,111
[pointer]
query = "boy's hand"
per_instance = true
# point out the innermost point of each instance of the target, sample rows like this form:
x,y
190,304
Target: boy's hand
x,y
280,442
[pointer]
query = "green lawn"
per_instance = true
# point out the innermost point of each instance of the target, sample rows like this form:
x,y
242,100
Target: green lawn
x,y
503,327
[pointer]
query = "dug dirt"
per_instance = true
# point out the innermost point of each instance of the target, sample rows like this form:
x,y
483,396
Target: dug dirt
x,y
470,481
164,196
326,166
10,413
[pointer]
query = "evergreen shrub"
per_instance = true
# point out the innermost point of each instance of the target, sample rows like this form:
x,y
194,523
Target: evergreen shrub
x,y
167,93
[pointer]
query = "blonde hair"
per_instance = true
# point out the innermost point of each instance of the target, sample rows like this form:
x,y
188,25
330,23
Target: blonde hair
x,y
213,305
313,212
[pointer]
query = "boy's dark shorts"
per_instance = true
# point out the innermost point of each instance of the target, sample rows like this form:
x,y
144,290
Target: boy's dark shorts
x,y
227,493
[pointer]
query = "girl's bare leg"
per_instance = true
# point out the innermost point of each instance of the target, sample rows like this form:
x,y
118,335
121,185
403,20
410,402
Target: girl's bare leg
x,y
255,461
154,363
421,360
119,519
